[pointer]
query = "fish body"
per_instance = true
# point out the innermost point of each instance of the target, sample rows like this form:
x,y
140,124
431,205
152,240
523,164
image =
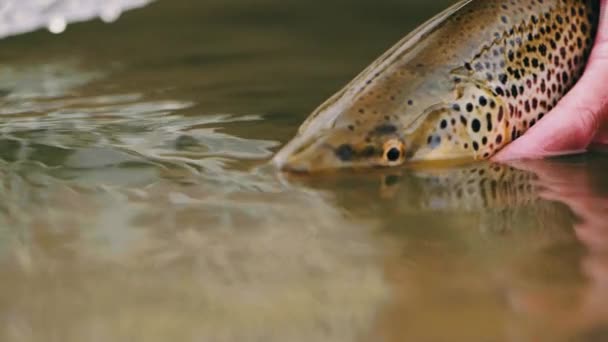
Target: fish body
x,y
462,86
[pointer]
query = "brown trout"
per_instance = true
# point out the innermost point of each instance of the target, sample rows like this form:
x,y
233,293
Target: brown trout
x,y
462,86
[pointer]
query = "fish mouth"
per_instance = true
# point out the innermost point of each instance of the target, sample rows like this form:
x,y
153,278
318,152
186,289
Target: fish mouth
x,y
297,155
306,154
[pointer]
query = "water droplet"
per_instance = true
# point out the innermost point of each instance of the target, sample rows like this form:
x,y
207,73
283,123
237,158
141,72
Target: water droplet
x,y
110,14
57,25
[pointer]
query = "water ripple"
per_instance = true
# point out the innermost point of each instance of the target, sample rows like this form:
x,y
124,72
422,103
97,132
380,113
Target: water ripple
x,y
115,135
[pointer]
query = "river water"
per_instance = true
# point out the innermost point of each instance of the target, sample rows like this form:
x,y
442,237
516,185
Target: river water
x,y
136,203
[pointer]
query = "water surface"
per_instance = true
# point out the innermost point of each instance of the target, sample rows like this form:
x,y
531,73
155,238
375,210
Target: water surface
x,y
136,203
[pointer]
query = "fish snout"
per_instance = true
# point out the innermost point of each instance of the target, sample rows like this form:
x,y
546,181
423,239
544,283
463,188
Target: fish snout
x,y
299,156
309,154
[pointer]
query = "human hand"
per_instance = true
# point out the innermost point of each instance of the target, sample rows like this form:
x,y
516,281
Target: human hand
x,y
580,118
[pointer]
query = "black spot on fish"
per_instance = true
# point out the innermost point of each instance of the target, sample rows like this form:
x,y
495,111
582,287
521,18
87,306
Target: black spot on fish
x,y
483,101
502,78
345,152
476,125
463,120
385,129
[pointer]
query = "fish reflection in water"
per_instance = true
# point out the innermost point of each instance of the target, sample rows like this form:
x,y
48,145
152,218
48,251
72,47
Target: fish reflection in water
x,y
520,248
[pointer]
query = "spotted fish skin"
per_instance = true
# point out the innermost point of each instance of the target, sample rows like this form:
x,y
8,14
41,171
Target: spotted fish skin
x,y
462,86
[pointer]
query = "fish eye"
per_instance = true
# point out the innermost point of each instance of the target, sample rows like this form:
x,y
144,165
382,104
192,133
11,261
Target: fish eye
x,y
393,151
393,154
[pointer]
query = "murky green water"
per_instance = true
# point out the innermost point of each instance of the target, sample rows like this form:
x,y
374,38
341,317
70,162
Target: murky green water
x,y
136,205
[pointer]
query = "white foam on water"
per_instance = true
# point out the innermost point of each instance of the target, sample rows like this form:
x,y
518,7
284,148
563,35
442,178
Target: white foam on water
x,y
22,16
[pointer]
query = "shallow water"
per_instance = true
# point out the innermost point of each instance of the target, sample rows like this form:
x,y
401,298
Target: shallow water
x,y
136,203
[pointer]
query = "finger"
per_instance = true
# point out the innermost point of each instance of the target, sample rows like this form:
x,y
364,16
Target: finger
x,y
572,124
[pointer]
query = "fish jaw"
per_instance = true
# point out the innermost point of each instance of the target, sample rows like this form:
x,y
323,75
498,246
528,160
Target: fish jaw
x,y
303,154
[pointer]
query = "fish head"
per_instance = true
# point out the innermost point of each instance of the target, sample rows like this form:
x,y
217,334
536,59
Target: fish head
x,y
354,136
341,147
368,130
394,112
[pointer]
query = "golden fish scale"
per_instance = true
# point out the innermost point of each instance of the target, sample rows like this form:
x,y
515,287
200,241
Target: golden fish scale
x,y
471,80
